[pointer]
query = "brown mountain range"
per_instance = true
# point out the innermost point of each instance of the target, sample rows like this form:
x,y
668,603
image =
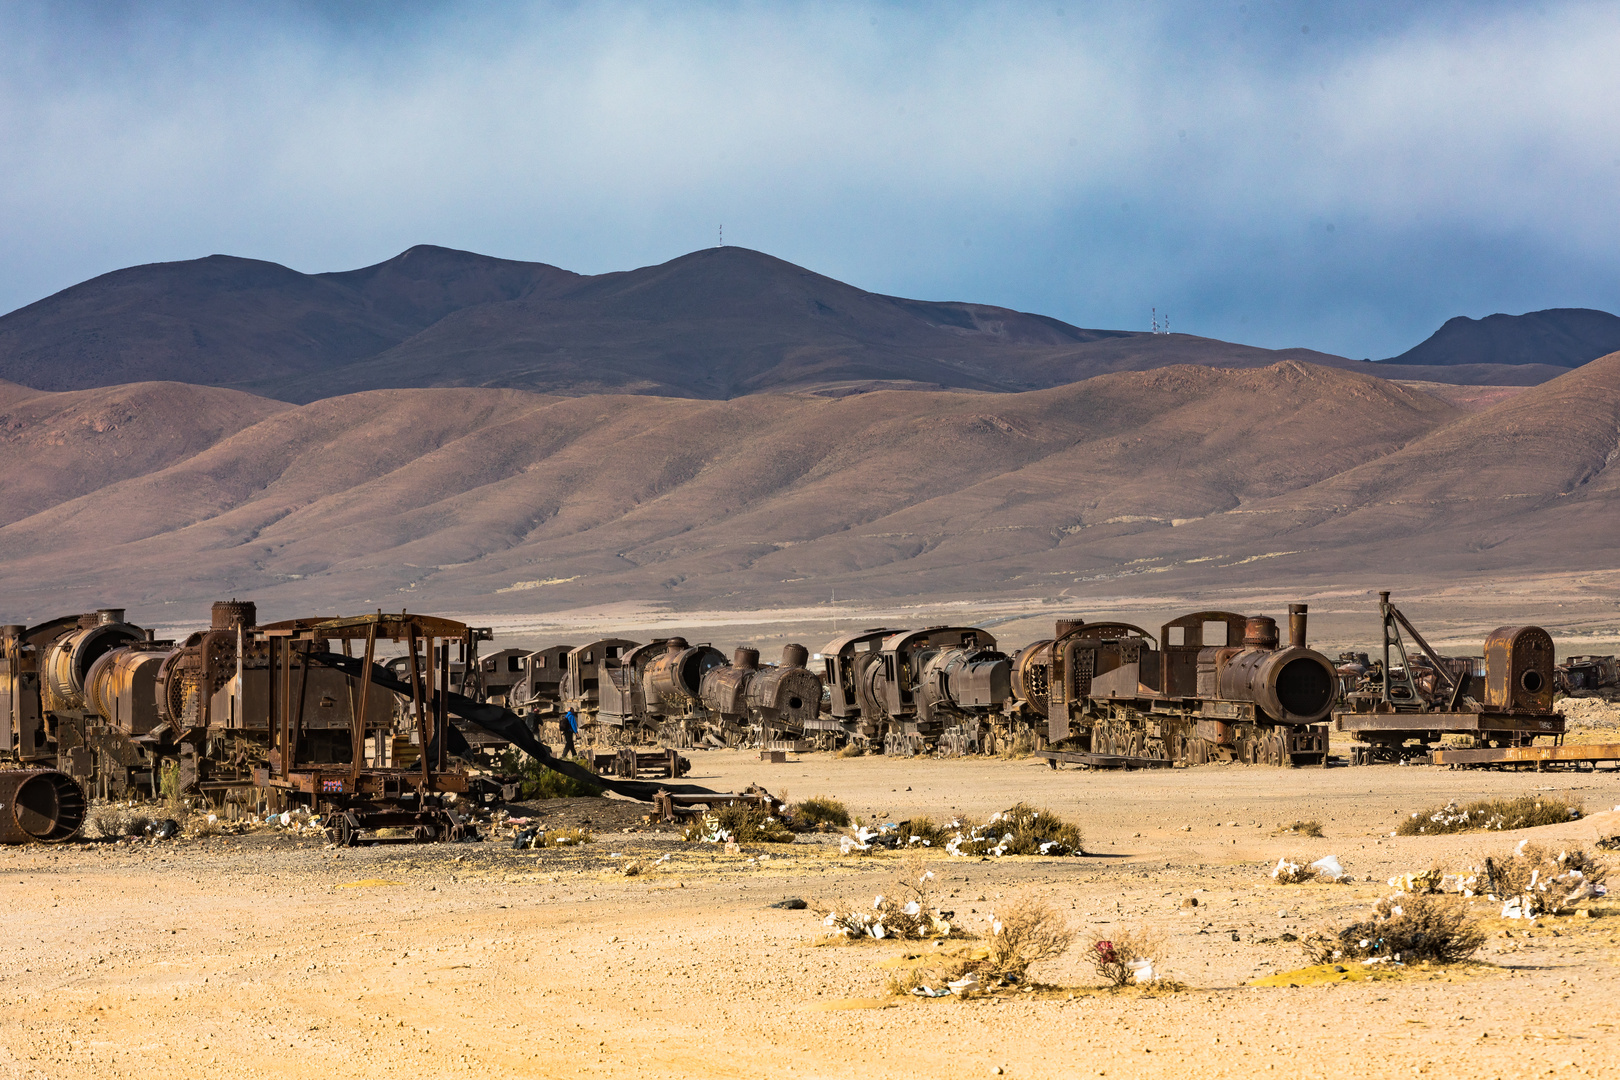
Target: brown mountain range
x,y
715,324
160,496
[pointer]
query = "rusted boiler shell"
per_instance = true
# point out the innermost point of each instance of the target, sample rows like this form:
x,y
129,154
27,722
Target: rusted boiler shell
x,y
725,689
39,806
1031,675
121,687
678,674
968,678
67,659
1519,669
789,694
1293,685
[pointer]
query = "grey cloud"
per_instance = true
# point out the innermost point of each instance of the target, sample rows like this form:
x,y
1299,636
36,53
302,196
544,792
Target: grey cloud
x,y
1279,173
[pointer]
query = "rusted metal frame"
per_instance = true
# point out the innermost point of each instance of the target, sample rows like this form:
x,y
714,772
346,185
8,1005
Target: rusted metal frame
x,y
277,722
303,692
1440,665
357,729
418,698
1392,629
441,710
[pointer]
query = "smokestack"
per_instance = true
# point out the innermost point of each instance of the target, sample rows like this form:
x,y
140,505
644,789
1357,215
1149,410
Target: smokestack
x,y
795,656
1296,625
1065,626
109,615
745,658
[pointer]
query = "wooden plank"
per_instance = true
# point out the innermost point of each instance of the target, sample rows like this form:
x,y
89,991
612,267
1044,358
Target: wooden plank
x,y
1104,761
1593,752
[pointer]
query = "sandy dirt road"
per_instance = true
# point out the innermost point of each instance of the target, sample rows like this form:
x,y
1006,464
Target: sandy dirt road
x,y
265,955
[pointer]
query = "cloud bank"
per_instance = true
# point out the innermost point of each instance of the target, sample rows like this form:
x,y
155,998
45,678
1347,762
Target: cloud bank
x,y
1343,177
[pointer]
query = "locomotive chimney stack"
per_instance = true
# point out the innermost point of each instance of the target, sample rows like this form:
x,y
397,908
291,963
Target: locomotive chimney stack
x,y
1296,625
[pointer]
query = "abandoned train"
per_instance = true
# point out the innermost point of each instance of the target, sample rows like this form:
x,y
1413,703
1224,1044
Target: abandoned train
x,y
285,706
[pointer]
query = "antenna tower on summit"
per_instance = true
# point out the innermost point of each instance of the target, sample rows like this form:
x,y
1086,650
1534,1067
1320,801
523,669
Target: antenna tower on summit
x,y
722,242
1155,320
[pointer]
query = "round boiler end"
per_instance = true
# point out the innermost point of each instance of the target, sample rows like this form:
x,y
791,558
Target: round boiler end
x,y
1305,687
41,806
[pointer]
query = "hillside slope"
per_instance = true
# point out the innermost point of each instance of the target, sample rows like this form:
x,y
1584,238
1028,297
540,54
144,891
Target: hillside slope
x,y
477,499
1558,337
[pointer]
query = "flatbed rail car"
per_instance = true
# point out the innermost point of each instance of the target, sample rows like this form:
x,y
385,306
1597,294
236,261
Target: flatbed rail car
x,y
1214,686
1399,711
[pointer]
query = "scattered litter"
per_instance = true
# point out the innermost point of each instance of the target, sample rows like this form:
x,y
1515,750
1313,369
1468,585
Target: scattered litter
x,y
967,984
928,992
1328,869
792,903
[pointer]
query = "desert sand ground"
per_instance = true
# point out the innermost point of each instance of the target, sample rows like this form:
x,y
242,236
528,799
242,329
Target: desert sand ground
x,y
271,955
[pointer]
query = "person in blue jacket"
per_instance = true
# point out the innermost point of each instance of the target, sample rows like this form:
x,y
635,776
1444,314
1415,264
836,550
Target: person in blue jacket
x,y
570,725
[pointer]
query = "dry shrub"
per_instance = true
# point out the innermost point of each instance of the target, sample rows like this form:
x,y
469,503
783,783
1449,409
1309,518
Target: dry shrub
x,y
106,823
565,838
852,749
1311,828
907,909
202,826
1544,881
136,825
1025,931
1525,812
741,823
535,781
1293,870
922,831
819,812
633,868
1022,830
1117,959
1608,843
1406,929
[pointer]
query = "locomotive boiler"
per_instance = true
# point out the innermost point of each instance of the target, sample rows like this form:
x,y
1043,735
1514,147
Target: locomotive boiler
x,y
1215,686
916,691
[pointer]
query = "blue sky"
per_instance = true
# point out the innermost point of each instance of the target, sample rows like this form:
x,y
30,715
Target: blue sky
x,y
1338,176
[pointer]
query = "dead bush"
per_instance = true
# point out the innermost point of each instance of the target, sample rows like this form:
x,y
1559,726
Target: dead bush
x,y
907,909
1406,929
1311,828
852,749
739,823
565,838
821,812
1023,932
105,823
1022,830
1293,870
1127,956
1545,881
1525,812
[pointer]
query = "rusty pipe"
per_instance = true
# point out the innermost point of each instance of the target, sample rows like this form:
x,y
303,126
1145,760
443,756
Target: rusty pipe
x,y
39,806
1296,625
